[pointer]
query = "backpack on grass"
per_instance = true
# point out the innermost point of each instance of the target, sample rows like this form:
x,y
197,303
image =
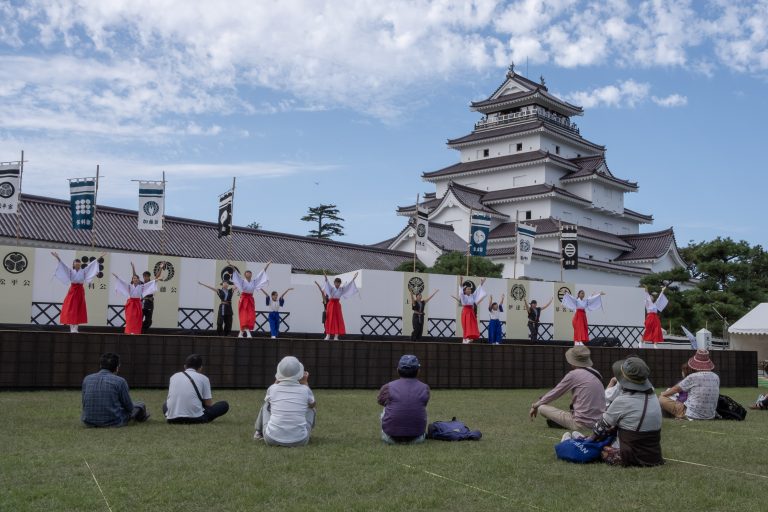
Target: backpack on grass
x,y
729,409
581,450
453,430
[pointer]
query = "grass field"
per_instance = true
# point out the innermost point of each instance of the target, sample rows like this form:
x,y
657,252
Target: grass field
x,y
49,462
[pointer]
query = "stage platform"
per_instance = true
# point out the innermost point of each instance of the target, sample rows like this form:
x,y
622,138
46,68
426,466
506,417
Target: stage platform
x,y
55,359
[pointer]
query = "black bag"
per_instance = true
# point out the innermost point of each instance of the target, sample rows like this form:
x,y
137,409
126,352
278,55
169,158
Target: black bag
x,y
729,409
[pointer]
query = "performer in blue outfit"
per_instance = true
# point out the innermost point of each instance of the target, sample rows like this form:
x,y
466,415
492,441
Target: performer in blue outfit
x,y
274,304
494,325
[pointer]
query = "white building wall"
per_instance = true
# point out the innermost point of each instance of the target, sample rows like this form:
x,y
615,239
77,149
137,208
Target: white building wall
x,y
507,146
456,217
548,270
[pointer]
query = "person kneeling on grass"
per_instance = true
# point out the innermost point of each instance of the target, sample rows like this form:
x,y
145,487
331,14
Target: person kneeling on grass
x,y
635,415
585,383
106,399
702,386
404,420
288,414
189,396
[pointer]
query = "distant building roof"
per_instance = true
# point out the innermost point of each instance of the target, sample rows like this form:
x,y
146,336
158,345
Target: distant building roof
x,y
529,191
550,225
592,167
47,221
441,235
648,246
501,161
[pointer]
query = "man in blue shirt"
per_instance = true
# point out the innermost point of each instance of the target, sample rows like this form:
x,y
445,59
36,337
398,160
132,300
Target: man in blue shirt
x,y
106,401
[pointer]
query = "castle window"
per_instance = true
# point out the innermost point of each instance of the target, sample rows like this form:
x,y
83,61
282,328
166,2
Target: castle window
x,y
557,150
528,215
486,153
519,146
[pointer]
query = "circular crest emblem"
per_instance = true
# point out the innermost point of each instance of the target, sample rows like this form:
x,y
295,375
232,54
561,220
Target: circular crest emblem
x,y
569,250
151,208
421,231
167,274
562,291
525,245
86,260
6,189
479,236
15,262
416,285
517,292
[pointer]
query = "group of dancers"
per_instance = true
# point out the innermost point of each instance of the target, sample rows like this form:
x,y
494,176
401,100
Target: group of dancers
x,y
140,304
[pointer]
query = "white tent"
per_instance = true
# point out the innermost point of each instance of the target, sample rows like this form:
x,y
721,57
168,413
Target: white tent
x,y
751,332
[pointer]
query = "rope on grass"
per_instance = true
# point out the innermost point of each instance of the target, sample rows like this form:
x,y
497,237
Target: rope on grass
x,y
97,484
716,467
723,433
474,487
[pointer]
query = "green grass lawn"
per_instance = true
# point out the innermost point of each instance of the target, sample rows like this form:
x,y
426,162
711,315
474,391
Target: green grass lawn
x,y
159,467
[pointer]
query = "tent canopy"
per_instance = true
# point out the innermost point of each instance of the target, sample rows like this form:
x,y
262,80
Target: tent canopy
x,y
755,322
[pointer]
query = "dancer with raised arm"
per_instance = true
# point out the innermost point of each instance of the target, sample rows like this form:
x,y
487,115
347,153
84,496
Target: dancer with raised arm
x,y
334,321
582,305
135,291
246,307
469,300
224,312
652,332
534,317
418,305
494,324
74,310
274,303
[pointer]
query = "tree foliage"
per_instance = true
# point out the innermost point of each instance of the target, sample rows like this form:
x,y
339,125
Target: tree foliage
x,y
254,225
455,263
407,266
328,221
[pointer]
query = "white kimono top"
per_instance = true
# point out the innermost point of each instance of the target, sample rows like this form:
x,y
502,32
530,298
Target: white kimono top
x,y
592,303
260,281
655,307
344,291
471,300
135,291
68,275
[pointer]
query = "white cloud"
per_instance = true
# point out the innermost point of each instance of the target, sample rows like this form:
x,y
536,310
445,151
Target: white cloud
x,y
627,93
673,100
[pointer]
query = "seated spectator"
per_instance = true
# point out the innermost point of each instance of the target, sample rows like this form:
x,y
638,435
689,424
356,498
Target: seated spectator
x,y
635,416
585,384
702,386
288,414
189,396
761,403
106,399
404,420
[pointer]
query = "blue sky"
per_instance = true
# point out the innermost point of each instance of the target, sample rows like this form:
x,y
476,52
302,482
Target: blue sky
x,y
348,102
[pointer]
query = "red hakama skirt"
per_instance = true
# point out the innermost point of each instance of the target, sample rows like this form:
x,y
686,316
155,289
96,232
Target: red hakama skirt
x,y
246,311
580,327
133,316
469,323
653,329
334,319
74,310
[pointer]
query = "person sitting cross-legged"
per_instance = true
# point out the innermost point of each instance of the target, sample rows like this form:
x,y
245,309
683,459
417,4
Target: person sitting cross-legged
x,y
106,399
404,420
585,384
702,386
189,396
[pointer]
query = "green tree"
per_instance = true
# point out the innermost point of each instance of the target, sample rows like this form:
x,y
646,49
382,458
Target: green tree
x,y
407,266
455,263
254,225
322,215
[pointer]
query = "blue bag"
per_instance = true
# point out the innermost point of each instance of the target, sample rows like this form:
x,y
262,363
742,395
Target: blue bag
x,y
581,450
453,430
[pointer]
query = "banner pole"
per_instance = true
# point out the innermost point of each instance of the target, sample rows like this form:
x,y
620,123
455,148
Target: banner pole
x,y
95,200
162,219
231,222
560,224
18,205
415,232
517,243
469,240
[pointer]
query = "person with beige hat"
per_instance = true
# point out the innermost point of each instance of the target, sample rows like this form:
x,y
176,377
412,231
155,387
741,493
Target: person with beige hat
x,y
586,386
702,386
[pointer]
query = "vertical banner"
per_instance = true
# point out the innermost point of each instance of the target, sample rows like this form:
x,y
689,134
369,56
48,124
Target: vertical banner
x,y
563,317
570,247
224,273
82,202
166,313
478,234
97,291
10,187
225,213
151,204
422,229
525,237
413,283
518,294
16,284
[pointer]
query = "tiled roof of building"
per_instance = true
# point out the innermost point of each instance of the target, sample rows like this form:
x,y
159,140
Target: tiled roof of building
x,y
639,215
497,132
429,204
47,220
501,161
550,225
510,251
590,166
485,104
441,235
529,191
648,246
472,198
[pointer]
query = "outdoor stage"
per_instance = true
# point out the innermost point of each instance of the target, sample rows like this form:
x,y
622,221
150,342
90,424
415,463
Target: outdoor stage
x,y
55,359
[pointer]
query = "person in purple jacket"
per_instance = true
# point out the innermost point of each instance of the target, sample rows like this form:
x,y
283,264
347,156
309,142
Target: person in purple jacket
x,y
404,420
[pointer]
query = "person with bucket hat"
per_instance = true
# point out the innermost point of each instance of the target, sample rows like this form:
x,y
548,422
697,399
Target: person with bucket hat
x,y
702,386
404,420
586,386
634,416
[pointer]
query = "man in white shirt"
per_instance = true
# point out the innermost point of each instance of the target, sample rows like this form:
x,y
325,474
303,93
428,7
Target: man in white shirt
x,y
189,396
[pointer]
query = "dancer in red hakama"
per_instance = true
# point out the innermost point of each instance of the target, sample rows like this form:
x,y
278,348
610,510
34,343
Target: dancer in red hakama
x,y
652,332
469,300
582,305
74,310
334,318
134,292
246,307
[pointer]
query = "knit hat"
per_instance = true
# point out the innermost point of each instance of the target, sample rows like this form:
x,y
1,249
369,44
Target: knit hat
x,y
289,369
633,374
701,361
578,356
